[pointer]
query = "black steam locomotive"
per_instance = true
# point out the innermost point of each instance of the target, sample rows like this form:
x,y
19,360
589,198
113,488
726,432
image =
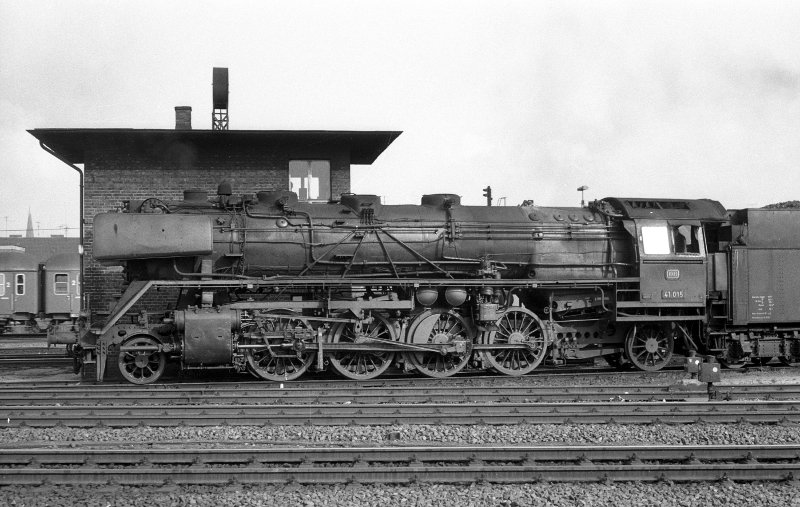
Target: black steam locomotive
x,y
274,286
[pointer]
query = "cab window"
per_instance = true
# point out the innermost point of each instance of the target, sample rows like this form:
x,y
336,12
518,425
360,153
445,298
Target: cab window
x,y
687,239
20,285
655,240
2,284
667,239
61,283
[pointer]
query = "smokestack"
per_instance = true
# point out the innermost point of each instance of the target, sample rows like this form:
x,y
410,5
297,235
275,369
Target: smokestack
x,y
183,118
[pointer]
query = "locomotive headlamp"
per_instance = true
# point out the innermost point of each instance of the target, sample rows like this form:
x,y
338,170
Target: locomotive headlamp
x,y
281,222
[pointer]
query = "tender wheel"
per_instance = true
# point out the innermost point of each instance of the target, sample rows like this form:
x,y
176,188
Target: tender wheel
x,y
648,347
285,358
143,366
517,326
734,357
440,327
733,365
363,365
792,356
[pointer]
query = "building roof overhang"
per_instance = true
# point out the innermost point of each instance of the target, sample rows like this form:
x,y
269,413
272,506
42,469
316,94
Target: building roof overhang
x,y
73,144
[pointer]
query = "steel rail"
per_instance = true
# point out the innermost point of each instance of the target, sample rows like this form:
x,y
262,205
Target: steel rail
x,y
330,465
34,359
24,352
752,412
17,337
272,394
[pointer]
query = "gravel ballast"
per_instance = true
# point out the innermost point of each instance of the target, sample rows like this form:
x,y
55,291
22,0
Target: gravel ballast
x,y
422,495
598,434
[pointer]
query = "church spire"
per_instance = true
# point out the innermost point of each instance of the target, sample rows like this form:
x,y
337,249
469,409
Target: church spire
x,y
29,231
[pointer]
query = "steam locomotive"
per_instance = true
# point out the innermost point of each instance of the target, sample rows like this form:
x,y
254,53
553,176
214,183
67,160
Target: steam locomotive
x,y
273,286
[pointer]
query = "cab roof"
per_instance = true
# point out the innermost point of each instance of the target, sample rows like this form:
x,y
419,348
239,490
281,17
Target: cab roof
x,y
668,209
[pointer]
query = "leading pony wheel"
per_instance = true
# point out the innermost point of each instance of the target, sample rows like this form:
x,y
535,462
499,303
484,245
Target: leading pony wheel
x,y
440,327
517,326
140,360
357,364
648,347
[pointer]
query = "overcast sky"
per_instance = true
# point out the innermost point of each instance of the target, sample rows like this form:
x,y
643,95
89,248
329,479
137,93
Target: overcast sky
x,y
648,99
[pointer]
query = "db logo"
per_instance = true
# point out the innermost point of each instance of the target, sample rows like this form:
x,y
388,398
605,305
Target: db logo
x,y
673,274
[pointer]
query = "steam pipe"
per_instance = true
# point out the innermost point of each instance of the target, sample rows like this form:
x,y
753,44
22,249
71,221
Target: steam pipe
x,y
80,228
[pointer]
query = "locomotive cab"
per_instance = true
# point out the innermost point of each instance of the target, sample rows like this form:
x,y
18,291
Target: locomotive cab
x,y
672,258
672,254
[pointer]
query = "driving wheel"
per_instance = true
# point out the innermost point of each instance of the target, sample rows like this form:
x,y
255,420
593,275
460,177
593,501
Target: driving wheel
x,y
440,327
283,356
517,326
363,364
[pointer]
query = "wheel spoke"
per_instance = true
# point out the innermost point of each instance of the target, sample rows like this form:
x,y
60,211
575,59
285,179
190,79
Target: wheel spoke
x,y
529,325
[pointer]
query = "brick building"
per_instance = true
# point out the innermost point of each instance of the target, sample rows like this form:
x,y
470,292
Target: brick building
x,y
122,164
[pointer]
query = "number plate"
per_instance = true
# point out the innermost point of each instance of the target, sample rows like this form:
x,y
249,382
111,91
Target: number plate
x,y
672,294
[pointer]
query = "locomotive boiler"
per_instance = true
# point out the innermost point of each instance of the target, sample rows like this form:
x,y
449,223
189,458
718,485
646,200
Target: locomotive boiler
x,y
275,286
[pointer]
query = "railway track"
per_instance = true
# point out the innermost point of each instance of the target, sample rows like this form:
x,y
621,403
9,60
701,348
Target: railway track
x,y
22,337
271,394
40,358
279,465
143,413
31,350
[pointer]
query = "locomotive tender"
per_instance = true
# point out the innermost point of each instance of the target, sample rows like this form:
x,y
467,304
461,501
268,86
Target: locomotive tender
x,y
274,286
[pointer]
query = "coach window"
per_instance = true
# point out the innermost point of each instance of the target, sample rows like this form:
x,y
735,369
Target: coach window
x,y
20,285
61,283
310,179
655,240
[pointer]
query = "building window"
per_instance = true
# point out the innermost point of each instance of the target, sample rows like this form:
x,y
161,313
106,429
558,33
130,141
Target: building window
x,y
20,285
61,283
310,179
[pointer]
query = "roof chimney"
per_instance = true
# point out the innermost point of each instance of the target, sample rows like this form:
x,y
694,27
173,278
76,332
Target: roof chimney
x,y
183,118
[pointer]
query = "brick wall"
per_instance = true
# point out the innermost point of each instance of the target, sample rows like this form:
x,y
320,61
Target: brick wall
x,y
116,174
